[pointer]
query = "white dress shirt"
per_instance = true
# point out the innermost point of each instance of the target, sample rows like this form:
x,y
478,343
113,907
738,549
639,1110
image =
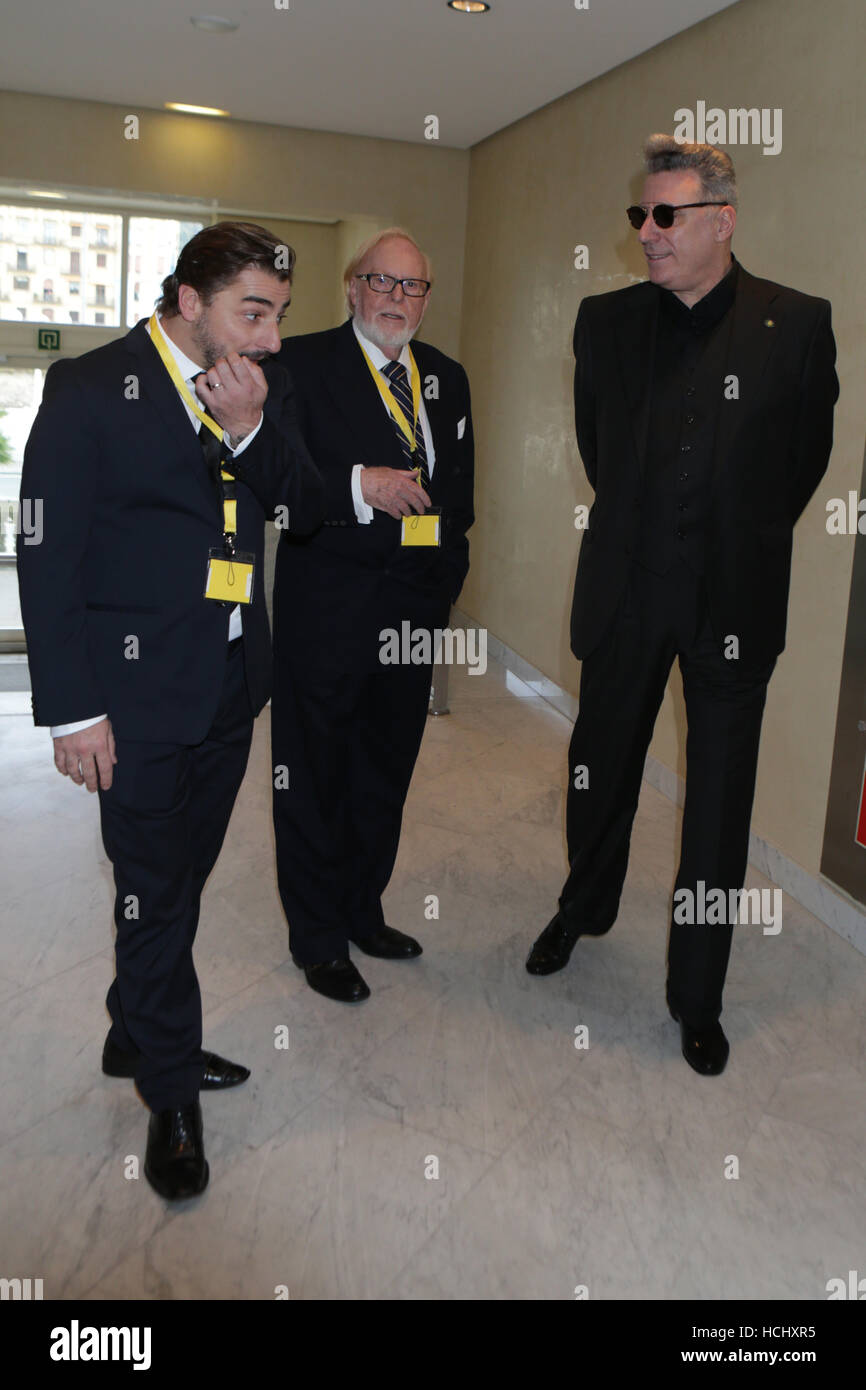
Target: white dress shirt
x,y
363,510
189,370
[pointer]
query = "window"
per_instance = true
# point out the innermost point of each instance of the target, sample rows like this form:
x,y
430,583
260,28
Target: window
x,y
154,246
48,290
49,249
77,246
48,314
73,315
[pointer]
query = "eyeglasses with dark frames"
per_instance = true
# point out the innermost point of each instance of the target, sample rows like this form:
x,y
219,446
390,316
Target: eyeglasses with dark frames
x,y
662,213
384,284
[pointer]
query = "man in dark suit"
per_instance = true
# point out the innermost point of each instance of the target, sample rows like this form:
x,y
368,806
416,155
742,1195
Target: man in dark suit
x,y
157,458
391,431
704,407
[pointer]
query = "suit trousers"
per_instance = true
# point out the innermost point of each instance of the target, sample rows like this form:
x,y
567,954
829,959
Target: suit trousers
x,y
164,819
663,617
347,744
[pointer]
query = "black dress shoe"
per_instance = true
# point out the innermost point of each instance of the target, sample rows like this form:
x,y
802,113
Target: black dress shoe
x,y
705,1049
219,1074
337,979
388,944
175,1165
553,948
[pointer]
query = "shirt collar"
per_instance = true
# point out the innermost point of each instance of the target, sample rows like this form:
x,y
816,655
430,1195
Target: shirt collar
x,y
188,369
376,355
707,311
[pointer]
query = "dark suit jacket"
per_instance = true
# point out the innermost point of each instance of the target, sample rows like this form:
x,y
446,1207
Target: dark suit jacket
x,y
356,579
771,450
129,515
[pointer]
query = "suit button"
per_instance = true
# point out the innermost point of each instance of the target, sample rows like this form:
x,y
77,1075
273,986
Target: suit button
x,y
685,448
683,477
680,535
690,390
682,506
690,419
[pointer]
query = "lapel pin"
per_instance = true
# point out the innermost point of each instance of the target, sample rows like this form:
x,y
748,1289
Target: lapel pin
x,y
769,323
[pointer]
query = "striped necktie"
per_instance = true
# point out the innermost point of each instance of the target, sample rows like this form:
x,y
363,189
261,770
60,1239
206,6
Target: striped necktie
x,y
398,380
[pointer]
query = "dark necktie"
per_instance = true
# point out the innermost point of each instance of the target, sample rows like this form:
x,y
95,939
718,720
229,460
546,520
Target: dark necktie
x,y
211,447
398,380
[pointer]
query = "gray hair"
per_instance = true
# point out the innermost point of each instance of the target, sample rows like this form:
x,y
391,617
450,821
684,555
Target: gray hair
x,y
370,245
714,168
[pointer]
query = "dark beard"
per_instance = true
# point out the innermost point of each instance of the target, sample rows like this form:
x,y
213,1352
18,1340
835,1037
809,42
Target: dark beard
x,y
210,351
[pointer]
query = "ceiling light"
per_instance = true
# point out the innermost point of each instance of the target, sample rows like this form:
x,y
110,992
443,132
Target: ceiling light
x,y
42,193
213,24
468,6
196,110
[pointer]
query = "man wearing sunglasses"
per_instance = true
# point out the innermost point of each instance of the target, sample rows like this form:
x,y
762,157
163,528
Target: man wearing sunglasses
x,y
388,421
704,411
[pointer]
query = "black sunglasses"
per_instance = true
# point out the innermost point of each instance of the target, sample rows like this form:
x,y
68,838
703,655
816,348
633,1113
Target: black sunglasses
x,y
663,213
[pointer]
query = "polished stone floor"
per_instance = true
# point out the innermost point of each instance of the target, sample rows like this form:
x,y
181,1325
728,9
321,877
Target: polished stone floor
x,y
446,1139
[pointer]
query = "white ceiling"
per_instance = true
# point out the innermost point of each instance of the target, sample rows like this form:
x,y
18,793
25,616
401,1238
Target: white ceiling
x,y
363,67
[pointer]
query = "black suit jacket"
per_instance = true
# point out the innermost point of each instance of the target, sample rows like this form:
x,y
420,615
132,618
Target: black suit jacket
x,y
356,579
129,515
771,450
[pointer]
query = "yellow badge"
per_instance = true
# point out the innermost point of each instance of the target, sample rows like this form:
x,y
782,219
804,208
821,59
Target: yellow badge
x,y
229,580
421,530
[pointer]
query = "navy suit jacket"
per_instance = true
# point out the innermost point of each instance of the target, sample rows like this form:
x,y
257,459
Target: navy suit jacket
x,y
355,578
130,513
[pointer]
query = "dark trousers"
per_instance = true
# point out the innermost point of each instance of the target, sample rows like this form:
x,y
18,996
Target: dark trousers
x,y
348,744
621,689
164,819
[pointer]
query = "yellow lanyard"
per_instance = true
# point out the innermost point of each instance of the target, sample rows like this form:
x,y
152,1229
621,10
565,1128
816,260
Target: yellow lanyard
x,y
173,370
391,400
170,364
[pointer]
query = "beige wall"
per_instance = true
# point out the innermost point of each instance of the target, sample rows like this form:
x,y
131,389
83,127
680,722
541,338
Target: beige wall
x,y
564,176
269,171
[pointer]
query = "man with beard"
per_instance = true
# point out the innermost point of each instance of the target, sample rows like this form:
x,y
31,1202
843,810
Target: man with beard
x,y
391,431
156,458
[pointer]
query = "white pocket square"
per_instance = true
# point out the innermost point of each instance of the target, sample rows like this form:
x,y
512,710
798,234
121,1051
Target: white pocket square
x,y
461,427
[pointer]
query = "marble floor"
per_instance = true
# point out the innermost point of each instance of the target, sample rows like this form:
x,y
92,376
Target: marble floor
x,y
446,1139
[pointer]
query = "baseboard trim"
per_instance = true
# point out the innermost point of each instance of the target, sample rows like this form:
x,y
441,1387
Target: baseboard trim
x,y
830,904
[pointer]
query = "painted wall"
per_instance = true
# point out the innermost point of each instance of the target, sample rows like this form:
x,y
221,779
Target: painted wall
x,y
564,176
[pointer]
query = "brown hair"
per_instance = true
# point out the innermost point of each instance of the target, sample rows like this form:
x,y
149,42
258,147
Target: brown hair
x,y
216,255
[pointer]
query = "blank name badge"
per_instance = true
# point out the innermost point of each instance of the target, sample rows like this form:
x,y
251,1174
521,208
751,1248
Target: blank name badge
x,y
230,578
422,530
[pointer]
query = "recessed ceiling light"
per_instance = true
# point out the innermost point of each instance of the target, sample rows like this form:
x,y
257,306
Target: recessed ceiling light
x,y
195,110
468,6
214,24
42,193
